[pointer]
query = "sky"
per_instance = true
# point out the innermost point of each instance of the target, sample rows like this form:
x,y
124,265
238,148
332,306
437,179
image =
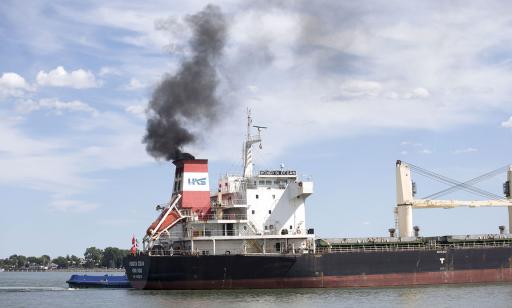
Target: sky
x,y
345,87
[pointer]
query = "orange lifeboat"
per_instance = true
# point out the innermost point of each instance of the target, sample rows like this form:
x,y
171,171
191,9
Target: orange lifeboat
x,y
168,218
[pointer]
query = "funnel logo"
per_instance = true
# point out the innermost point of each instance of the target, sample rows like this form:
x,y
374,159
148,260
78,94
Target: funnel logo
x,y
197,181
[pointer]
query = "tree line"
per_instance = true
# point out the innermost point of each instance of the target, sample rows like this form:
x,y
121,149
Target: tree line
x,y
110,257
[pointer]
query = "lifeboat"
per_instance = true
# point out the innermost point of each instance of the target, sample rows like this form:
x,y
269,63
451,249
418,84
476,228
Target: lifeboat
x,y
166,220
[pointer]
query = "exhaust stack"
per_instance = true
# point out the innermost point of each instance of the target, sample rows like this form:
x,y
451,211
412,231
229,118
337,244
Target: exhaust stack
x,y
192,183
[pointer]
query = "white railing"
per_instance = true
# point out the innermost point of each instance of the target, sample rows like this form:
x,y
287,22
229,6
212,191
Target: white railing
x,y
210,217
229,203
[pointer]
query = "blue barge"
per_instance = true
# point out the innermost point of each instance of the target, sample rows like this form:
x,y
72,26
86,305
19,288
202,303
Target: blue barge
x,y
105,281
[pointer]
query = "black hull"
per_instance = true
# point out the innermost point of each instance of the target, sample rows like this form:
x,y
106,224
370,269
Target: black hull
x,y
349,269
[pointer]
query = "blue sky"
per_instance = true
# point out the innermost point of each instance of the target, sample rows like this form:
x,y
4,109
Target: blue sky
x,y
346,88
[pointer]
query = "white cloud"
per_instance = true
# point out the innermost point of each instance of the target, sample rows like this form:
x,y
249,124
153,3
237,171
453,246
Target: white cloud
x,y
425,151
56,106
63,165
134,84
410,143
59,77
107,70
464,151
417,93
138,110
12,84
69,205
357,88
507,123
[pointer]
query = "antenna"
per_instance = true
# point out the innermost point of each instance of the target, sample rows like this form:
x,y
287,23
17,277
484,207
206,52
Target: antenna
x,y
247,153
260,128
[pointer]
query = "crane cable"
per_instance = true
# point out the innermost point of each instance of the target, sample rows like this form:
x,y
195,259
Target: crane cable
x,y
468,182
446,180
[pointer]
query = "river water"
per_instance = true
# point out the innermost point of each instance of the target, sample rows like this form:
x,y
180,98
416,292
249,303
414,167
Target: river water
x,y
37,289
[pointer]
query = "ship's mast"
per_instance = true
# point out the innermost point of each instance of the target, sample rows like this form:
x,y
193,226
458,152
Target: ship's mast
x,y
250,140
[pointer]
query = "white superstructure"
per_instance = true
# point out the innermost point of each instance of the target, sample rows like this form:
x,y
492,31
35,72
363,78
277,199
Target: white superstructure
x,y
261,213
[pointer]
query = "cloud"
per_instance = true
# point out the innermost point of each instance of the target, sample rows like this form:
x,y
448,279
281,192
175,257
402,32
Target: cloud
x,y
134,84
417,93
107,70
138,110
55,105
411,146
63,165
410,143
69,205
464,151
357,88
12,84
507,123
377,66
59,77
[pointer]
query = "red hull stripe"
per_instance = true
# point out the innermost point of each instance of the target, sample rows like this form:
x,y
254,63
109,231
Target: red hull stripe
x,y
380,280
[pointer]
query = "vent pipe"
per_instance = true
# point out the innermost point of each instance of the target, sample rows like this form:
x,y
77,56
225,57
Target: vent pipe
x,y
502,229
392,232
416,231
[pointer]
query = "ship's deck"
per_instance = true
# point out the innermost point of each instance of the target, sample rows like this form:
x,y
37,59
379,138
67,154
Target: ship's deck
x,y
413,243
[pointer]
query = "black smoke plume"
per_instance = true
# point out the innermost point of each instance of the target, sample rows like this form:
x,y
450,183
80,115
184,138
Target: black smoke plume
x,y
189,96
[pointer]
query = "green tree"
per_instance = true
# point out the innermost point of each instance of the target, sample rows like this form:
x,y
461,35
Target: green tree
x,y
113,257
45,260
75,261
17,261
34,260
92,257
61,262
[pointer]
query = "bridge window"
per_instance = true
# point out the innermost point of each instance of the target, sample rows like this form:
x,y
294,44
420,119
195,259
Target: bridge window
x,y
269,211
257,196
291,227
253,211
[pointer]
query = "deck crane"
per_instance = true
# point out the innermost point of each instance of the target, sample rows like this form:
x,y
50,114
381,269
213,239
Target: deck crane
x,y
406,201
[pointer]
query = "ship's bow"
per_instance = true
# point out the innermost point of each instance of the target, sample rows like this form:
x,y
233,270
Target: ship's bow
x,y
137,270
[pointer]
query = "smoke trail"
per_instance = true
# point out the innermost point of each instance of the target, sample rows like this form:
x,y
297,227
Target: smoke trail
x,y
189,95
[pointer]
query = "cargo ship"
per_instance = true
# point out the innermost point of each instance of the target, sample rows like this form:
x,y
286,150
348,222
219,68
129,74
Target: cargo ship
x,y
251,233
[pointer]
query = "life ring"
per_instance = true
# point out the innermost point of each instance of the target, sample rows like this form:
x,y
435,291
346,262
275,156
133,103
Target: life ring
x,y
298,231
227,252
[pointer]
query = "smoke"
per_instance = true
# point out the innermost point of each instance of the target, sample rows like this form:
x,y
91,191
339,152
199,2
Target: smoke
x,y
189,96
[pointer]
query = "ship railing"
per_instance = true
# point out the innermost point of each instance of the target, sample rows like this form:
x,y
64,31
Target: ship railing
x,y
195,252
412,247
229,203
208,233
170,236
186,212
218,216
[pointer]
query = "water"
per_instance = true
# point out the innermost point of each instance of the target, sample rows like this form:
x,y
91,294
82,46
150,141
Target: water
x,y
50,290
